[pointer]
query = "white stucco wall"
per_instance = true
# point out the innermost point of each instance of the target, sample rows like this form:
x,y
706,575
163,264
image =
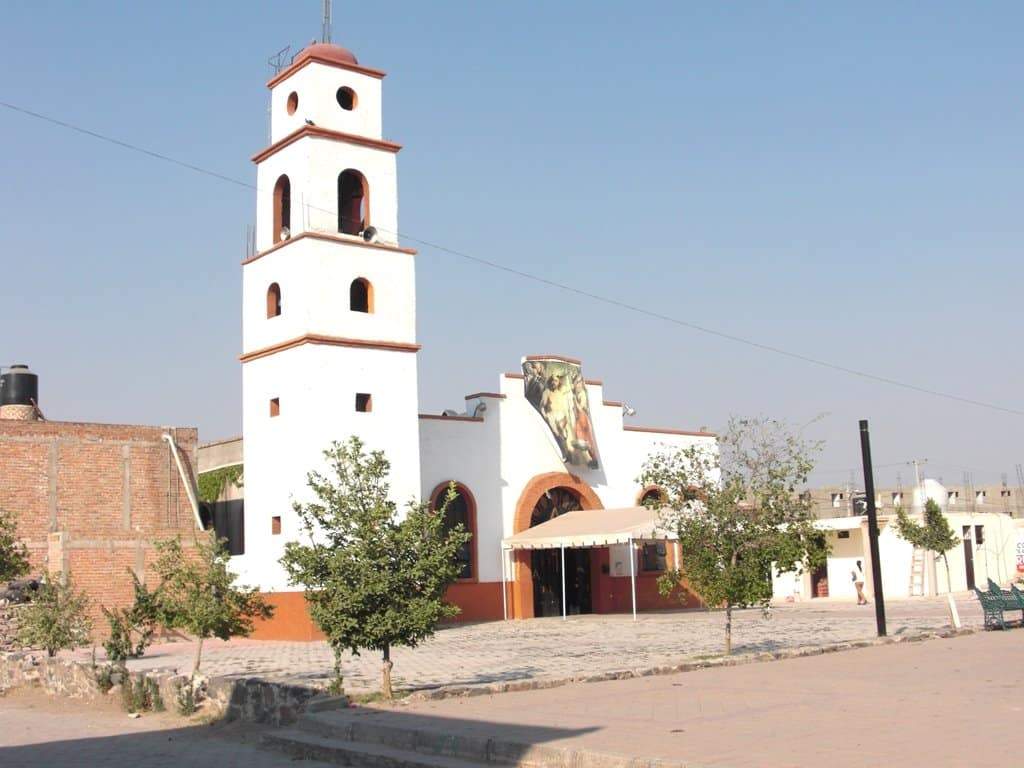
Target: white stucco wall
x,y
497,457
995,558
317,86
317,386
312,165
314,277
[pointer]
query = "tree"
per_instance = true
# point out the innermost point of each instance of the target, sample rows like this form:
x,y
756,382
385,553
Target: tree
x,y
13,554
131,628
57,618
934,534
372,581
197,593
737,513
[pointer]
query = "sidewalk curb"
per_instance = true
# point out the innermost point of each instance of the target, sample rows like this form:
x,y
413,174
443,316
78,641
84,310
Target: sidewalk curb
x,y
539,683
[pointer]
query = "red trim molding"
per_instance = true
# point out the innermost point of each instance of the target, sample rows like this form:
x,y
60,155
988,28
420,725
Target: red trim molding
x,y
496,395
662,431
324,133
358,242
309,58
335,341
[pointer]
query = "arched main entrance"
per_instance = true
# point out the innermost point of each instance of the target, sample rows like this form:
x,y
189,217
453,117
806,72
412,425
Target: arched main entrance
x,y
537,590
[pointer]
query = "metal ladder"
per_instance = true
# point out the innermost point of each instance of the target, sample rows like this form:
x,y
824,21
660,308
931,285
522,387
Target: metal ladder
x,y
917,573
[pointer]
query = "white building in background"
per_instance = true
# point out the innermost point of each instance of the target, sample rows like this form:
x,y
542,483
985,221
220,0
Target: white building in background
x,y
329,350
988,550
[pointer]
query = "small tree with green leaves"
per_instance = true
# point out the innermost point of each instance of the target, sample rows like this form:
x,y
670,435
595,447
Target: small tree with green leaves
x,y
737,513
57,618
197,593
13,554
372,580
131,628
932,534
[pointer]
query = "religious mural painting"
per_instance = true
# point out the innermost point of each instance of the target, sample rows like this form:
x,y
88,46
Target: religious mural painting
x,y
557,390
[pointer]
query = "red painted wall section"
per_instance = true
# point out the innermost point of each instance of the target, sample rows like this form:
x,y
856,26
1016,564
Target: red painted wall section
x,y
479,601
611,594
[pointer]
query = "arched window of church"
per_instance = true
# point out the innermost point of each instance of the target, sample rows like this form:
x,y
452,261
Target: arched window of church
x,y
282,209
353,202
273,300
360,295
461,511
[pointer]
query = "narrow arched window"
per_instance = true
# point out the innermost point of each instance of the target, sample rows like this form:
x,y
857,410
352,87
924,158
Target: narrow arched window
x,y
360,295
353,202
460,511
282,209
273,300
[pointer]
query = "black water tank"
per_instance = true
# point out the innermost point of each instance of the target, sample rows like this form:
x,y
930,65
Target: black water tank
x,y
19,386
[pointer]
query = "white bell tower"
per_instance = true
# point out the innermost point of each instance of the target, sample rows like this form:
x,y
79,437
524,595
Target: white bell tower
x,y
328,301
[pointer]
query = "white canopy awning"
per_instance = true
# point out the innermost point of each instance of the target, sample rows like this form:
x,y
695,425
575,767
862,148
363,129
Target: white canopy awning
x,y
592,528
840,523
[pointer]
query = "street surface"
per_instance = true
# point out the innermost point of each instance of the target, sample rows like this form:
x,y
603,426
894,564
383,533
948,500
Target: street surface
x,y
954,702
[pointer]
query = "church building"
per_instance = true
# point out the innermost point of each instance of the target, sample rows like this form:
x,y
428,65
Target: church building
x,y
330,350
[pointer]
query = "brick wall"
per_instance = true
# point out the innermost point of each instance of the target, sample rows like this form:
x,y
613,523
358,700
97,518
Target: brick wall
x,y
92,498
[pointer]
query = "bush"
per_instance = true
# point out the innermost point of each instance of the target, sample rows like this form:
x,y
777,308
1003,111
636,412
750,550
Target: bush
x,y
141,695
186,699
57,618
131,629
103,678
13,554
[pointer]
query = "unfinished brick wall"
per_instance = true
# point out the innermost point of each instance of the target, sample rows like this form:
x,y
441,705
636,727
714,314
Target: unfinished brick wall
x,y
92,498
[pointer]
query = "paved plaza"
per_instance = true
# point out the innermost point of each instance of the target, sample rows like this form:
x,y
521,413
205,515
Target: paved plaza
x,y
553,648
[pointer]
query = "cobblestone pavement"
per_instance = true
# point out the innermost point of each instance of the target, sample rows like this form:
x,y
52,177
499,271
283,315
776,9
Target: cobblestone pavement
x,y
37,730
536,648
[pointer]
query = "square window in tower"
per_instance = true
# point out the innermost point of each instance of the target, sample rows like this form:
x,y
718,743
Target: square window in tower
x,y
364,402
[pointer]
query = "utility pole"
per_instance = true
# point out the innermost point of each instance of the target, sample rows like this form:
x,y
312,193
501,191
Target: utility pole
x,y
869,492
918,463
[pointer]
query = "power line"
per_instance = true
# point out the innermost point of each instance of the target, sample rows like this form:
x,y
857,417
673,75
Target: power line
x,y
545,281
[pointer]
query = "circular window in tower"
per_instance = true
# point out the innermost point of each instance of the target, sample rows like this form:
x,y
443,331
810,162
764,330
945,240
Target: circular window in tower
x,y
347,98
293,102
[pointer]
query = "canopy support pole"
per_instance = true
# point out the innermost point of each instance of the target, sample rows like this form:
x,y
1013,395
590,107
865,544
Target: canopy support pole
x,y
504,587
563,582
632,575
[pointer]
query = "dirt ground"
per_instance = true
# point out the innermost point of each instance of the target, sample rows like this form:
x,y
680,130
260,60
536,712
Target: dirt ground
x,y
40,731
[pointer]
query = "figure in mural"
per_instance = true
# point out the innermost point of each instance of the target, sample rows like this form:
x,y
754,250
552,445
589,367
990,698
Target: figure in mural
x,y
557,390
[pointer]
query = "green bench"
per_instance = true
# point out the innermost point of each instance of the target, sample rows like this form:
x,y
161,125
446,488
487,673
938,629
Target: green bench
x,y
996,602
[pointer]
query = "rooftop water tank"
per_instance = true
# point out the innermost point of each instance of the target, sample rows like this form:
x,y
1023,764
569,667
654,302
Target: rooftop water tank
x,y
19,393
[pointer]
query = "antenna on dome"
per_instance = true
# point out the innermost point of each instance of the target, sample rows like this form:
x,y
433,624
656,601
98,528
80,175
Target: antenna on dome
x,y
327,22
276,61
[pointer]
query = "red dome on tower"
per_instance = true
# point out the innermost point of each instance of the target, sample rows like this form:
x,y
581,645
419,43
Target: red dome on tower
x,y
328,52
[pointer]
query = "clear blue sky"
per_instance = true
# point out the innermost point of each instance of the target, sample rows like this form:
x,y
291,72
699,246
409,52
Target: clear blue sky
x,y
843,182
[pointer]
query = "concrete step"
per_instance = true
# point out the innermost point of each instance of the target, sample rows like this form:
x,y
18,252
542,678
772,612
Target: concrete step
x,y
416,737
300,745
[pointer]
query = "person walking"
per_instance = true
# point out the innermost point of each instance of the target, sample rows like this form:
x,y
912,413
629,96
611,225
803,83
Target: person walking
x,y
857,576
